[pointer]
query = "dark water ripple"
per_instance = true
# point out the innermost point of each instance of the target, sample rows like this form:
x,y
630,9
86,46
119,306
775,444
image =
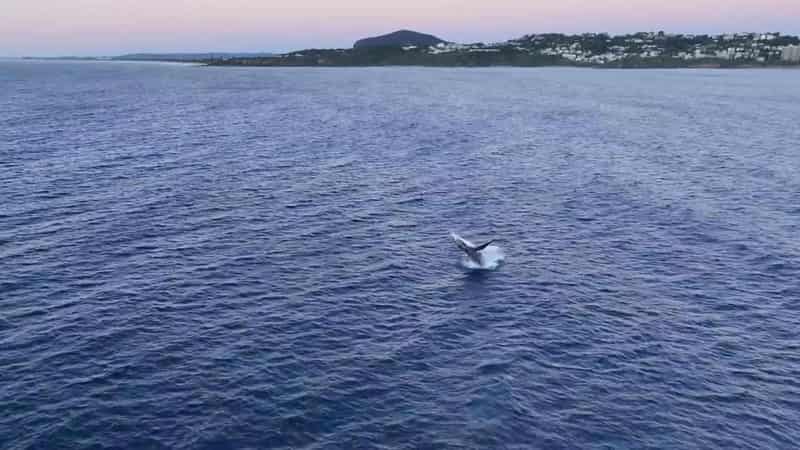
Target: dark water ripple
x,y
201,258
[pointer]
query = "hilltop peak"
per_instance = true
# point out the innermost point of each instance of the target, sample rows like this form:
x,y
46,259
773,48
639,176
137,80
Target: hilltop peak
x,y
399,38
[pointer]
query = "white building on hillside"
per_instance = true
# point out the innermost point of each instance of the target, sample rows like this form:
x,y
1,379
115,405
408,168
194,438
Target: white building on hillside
x,y
791,53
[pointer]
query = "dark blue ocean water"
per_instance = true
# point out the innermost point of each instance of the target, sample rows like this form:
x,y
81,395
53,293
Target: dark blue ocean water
x,y
217,258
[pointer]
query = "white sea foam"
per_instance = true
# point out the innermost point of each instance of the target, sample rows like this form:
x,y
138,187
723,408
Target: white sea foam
x,y
492,256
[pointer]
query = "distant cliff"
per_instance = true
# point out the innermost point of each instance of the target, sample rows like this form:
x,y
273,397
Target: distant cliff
x,y
402,38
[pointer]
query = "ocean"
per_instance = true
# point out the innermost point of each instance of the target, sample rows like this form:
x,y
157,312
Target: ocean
x,y
234,258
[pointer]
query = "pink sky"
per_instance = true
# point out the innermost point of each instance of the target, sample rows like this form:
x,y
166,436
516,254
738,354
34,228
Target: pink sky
x,y
109,27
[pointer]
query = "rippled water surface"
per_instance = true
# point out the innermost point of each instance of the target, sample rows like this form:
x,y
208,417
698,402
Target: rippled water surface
x,y
215,258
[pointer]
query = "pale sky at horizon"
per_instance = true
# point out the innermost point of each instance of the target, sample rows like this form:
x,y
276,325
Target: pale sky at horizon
x,y
100,27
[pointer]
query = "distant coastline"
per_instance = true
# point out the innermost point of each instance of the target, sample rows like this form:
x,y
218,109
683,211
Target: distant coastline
x,y
192,58
645,50
599,50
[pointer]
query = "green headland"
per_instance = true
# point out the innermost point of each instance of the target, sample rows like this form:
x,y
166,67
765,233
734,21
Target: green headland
x,y
638,50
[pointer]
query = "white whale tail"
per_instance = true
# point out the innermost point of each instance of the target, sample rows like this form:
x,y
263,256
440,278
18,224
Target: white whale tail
x,y
479,257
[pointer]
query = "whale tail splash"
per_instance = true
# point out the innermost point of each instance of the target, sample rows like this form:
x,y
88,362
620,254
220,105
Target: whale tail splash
x,y
484,257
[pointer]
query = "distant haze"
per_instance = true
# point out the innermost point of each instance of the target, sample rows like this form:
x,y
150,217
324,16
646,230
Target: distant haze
x,y
102,27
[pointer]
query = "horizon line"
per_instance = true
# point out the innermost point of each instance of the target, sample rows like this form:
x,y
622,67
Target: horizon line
x,y
276,52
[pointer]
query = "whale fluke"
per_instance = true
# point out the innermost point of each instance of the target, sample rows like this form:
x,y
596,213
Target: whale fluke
x,y
482,247
472,251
